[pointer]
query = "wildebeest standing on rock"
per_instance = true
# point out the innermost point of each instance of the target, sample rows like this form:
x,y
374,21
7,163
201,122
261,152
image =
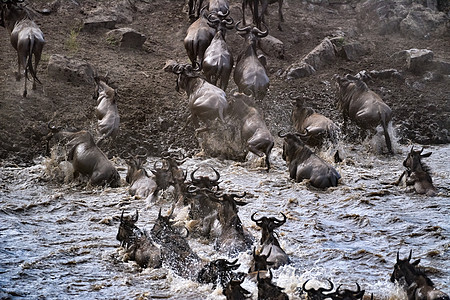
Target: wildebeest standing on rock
x,y
362,105
417,285
253,129
206,101
418,173
218,60
304,164
86,157
106,112
249,73
26,38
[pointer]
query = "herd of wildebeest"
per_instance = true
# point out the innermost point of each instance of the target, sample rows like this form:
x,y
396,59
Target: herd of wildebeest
x,y
205,82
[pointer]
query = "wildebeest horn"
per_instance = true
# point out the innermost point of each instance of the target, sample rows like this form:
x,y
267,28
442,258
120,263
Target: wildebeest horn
x,y
304,286
281,222
228,22
187,233
246,28
398,256
282,135
196,67
193,179
302,135
410,255
256,31
224,15
136,216
238,196
327,290
121,216
217,175
255,220
232,262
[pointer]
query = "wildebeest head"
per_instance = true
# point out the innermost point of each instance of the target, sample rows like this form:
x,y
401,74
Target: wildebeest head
x,y
348,294
268,290
260,262
136,166
403,268
205,181
318,294
127,229
184,72
234,291
413,160
163,176
217,271
220,23
292,144
268,225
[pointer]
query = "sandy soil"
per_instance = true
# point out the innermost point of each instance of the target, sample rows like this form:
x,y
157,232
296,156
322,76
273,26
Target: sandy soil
x,y
153,113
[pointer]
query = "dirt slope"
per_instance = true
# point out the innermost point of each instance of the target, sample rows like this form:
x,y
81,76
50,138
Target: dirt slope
x,y
153,112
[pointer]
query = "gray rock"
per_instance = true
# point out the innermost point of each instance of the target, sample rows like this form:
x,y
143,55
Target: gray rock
x,y
94,22
442,67
419,60
71,70
272,46
421,22
299,70
322,55
353,51
126,38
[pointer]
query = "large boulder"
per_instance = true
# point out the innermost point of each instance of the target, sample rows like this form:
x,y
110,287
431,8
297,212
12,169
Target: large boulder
x,y
99,21
71,70
126,38
272,46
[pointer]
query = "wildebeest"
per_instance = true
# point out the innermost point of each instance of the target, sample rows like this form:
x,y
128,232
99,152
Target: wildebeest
x,y
304,164
249,73
416,283
362,105
258,18
175,250
418,173
128,231
313,294
259,263
316,127
270,246
267,290
234,238
141,184
234,291
106,112
347,294
26,38
206,101
198,37
86,157
253,129
139,245
218,60
218,271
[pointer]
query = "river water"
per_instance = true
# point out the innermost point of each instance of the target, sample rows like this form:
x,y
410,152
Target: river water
x,y
57,241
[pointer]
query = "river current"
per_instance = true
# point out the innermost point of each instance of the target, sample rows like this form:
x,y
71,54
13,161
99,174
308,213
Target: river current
x,y
58,241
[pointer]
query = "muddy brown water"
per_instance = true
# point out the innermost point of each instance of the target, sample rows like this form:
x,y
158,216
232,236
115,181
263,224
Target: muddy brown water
x,y
57,241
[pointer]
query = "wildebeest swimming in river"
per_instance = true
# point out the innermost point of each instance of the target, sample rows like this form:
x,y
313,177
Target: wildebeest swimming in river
x,y
86,157
362,105
26,38
304,164
417,173
416,284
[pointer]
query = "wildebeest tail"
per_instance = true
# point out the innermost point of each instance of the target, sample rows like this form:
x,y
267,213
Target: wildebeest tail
x,y
385,124
269,149
30,60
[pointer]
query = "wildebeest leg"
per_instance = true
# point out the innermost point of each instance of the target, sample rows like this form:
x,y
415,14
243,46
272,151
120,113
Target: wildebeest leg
x,y
397,182
37,59
280,13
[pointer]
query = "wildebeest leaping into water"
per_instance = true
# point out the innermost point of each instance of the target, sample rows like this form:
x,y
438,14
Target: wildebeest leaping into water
x,y
26,38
